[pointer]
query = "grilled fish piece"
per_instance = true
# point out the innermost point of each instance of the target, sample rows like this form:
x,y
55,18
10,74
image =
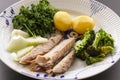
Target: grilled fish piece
x,y
48,60
41,49
37,68
64,64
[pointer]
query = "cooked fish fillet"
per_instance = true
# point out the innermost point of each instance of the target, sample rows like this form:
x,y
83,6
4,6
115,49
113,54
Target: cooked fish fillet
x,y
65,63
55,54
41,49
35,67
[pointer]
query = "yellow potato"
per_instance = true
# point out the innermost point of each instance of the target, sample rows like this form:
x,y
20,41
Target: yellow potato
x,y
62,21
83,23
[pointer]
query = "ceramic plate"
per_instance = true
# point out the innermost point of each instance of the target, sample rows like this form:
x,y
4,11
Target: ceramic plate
x,y
104,18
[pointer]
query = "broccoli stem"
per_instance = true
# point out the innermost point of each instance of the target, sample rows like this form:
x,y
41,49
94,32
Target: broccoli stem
x,y
97,40
93,49
91,60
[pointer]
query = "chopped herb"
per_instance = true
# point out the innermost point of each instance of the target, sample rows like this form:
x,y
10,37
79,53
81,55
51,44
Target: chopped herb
x,y
37,20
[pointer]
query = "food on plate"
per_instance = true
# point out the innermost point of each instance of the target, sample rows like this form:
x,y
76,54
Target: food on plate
x,y
65,63
35,67
41,49
18,42
37,20
33,41
83,44
17,56
82,24
102,45
48,60
39,41
17,32
102,40
91,60
62,20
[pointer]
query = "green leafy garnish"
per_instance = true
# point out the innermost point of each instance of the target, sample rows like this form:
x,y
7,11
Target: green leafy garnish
x,y
37,20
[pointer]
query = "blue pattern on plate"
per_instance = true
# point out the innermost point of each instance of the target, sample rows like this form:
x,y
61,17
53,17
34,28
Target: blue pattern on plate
x,y
45,75
53,75
12,11
76,78
67,33
7,17
7,22
96,7
62,76
4,12
37,75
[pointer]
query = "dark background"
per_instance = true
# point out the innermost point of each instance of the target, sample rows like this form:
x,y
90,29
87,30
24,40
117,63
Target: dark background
x,y
112,73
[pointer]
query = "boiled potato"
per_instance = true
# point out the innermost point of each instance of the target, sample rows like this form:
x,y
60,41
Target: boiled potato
x,y
62,21
82,23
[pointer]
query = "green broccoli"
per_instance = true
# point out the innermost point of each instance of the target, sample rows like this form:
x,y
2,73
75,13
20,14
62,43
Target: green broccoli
x,y
91,60
93,49
86,41
106,39
83,55
101,39
105,50
94,46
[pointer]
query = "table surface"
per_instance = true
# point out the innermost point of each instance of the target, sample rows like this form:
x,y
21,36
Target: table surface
x,y
112,73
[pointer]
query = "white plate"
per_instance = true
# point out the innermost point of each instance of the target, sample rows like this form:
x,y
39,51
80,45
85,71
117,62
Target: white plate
x,y
104,18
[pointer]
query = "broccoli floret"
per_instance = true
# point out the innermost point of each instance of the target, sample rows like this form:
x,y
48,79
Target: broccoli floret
x,y
101,39
91,60
85,42
93,49
83,55
106,39
105,50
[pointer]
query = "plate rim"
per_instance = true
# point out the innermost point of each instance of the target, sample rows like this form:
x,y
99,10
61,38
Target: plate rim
x,y
51,77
